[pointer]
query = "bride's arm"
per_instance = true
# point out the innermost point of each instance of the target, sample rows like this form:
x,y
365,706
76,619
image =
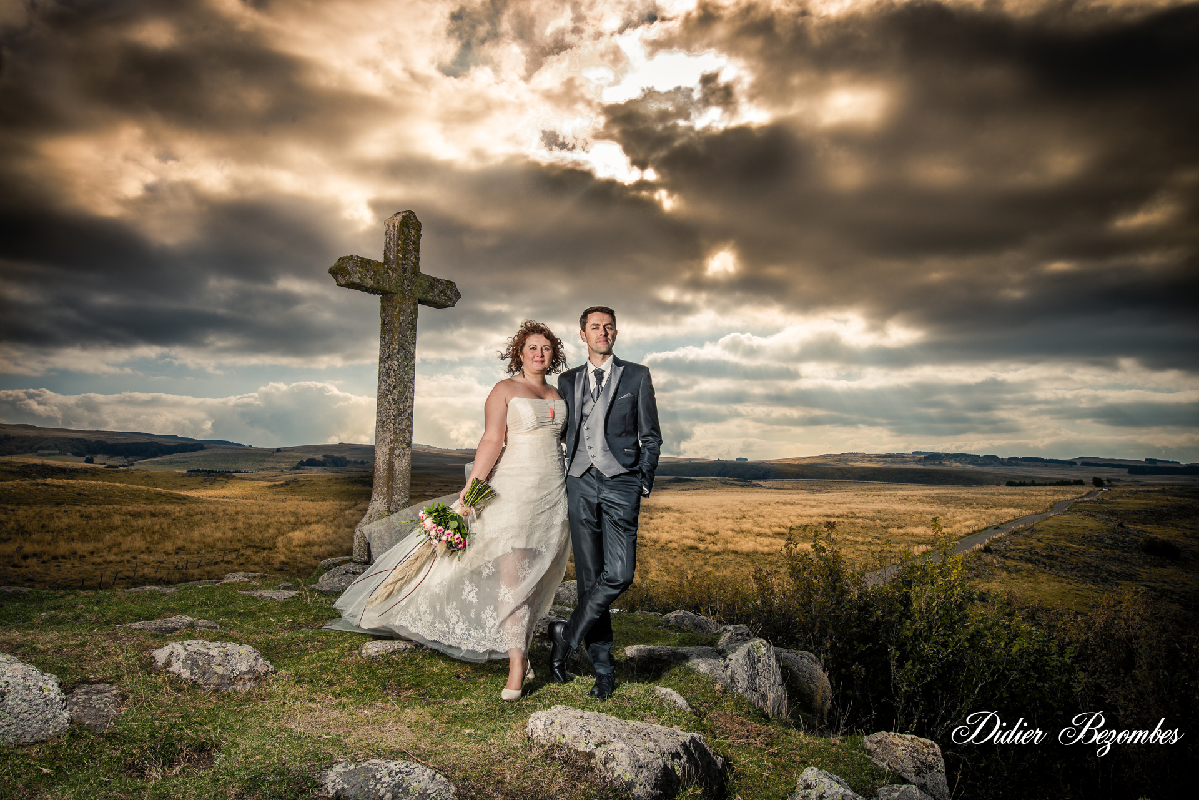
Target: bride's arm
x,y
495,413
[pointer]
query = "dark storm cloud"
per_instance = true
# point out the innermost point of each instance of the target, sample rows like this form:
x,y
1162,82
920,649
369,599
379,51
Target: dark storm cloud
x,y
963,259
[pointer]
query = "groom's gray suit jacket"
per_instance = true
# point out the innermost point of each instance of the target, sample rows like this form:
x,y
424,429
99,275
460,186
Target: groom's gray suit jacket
x,y
629,413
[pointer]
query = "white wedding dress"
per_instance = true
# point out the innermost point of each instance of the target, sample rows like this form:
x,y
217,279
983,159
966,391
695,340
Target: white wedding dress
x,y
486,602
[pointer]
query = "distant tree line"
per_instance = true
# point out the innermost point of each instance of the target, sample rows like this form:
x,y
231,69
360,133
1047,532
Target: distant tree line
x,y
326,461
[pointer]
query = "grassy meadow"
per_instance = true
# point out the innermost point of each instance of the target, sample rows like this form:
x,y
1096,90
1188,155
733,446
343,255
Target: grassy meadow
x,y
64,527
709,524
1142,538
327,704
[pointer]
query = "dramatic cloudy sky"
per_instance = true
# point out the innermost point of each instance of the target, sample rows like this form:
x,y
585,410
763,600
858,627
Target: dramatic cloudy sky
x,y
827,226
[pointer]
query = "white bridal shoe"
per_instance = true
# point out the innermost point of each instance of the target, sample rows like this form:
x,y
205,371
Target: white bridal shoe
x,y
514,694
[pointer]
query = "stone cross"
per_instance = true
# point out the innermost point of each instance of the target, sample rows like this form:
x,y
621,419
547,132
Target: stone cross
x,y
402,286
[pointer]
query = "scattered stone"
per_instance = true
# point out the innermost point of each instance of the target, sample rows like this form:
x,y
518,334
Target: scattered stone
x,y
94,706
753,672
901,791
329,563
384,780
32,706
200,583
271,594
673,697
338,579
748,668
285,587
173,624
815,690
692,622
220,666
161,589
816,784
733,635
567,594
243,577
383,647
14,589
654,762
562,611
918,760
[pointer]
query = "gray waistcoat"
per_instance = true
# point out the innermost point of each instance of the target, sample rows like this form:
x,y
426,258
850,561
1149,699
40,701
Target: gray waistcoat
x,y
592,446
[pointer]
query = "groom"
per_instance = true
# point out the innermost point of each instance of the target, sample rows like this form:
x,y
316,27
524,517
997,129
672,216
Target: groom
x,y
612,442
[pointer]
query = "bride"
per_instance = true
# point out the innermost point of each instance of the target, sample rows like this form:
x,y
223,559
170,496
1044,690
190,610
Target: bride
x,y
484,604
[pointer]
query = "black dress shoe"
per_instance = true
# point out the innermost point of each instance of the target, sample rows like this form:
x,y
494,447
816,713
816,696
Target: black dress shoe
x,y
559,653
604,684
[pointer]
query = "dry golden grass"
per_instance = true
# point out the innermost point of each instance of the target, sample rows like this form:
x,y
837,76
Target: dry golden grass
x,y
708,525
57,531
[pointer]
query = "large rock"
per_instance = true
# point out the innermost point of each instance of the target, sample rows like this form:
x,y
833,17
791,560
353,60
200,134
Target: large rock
x,y
692,622
383,534
673,697
567,594
329,563
338,579
748,668
385,647
815,691
220,666
384,780
753,672
901,791
733,635
94,706
918,760
816,784
32,706
174,624
652,761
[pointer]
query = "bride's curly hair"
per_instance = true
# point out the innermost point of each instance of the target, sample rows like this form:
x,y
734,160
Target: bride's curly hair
x,y
517,343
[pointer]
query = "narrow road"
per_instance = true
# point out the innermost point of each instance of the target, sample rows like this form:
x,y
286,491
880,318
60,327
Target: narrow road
x,y
968,543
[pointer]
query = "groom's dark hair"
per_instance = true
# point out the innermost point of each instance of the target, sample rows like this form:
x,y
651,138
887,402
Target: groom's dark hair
x,y
595,310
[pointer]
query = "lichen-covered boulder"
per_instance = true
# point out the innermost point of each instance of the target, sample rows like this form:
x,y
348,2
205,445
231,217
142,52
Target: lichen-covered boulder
x,y
692,622
733,635
384,780
748,668
901,791
816,784
94,706
673,697
815,691
32,705
654,762
243,577
385,647
174,624
219,666
338,579
918,760
567,594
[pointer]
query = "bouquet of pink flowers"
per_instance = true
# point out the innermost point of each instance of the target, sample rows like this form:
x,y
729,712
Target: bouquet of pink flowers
x,y
446,531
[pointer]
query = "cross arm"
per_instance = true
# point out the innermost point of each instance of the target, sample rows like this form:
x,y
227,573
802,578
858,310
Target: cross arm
x,y
436,292
365,275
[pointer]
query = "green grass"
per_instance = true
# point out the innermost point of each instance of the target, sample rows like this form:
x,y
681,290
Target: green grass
x,y
327,704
